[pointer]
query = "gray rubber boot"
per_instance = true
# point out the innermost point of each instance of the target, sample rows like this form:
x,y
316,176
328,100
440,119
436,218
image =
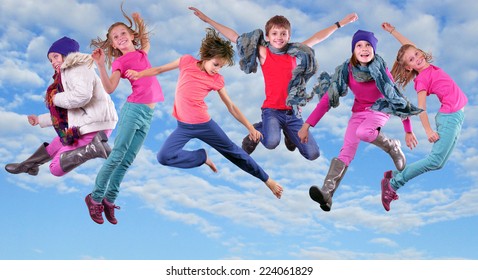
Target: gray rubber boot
x,y
323,196
391,147
98,147
31,164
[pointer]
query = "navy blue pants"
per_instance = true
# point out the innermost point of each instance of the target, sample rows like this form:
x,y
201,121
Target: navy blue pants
x,y
173,154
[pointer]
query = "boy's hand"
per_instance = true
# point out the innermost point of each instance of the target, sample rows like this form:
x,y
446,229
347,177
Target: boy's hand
x,y
199,14
349,19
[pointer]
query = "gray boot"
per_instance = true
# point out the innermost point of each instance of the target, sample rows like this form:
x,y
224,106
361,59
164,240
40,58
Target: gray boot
x,y
391,147
30,165
98,147
323,196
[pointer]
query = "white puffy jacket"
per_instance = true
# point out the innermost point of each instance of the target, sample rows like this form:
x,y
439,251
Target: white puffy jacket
x,y
90,108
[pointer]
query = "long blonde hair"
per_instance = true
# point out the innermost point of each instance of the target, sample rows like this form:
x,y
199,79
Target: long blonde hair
x,y
138,30
400,74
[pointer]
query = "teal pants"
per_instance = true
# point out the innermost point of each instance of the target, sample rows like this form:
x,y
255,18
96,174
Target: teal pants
x,y
448,128
133,127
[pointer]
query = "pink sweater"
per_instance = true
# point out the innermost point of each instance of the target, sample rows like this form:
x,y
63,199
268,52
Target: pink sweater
x,y
366,93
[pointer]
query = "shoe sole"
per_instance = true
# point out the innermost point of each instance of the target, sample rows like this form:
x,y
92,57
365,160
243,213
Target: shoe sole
x,y
317,196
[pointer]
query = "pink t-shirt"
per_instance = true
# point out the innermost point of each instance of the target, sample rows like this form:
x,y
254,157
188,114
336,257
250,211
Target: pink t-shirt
x,y
145,90
434,80
192,88
277,72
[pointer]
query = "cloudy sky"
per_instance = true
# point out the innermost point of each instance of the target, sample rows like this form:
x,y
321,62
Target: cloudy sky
x,y
174,214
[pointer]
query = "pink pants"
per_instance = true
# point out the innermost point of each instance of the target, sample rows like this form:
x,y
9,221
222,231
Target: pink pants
x,y
56,148
362,127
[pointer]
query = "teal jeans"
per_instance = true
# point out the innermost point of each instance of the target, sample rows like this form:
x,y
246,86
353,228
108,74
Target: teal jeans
x,y
133,127
448,128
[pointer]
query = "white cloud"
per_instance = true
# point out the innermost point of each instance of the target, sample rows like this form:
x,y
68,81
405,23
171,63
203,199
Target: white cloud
x,y
216,205
14,73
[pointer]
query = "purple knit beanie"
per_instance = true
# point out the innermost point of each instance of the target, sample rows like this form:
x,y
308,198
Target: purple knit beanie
x,y
365,36
64,46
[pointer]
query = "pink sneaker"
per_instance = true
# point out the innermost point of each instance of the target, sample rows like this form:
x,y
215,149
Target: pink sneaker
x,y
110,211
388,194
95,208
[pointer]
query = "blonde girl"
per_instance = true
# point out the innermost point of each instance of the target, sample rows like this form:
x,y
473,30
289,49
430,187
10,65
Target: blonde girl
x,y
414,64
126,46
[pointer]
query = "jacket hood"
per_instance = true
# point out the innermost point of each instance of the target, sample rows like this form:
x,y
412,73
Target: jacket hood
x,y
76,59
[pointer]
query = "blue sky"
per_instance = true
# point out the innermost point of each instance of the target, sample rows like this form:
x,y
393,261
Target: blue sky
x,y
174,214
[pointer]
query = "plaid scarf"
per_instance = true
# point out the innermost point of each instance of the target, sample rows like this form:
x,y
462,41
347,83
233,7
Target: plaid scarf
x,y
59,116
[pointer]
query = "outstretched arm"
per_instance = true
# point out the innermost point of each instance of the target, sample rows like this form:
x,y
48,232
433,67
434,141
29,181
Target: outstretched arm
x,y
392,30
234,110
325,33
320,110
134,75
109,83
224,30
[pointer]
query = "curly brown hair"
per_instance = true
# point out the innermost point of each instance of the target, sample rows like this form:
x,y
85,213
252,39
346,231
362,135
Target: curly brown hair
x,y
213,46
140,40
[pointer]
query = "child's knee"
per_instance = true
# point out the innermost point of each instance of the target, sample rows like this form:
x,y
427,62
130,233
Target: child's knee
x,y
436,163
366,135
56,170
313,156
162,158
270,143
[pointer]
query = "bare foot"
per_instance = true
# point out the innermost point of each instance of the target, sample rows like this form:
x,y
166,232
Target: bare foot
x,y
211,164
275,187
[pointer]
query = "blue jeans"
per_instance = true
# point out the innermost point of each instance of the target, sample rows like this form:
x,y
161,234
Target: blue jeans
x,y
133,127
173,154
274,120
448,128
